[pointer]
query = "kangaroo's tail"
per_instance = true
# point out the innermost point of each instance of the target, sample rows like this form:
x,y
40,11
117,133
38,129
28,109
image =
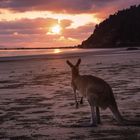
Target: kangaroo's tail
x,y
119,117
130,122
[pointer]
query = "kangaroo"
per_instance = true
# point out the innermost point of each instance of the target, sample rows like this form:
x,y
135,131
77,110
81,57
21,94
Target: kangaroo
x,y
98,93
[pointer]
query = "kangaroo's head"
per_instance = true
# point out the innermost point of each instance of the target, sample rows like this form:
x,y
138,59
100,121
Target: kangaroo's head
x,y
74,68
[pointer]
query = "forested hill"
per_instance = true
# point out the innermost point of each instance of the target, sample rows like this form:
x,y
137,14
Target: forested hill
x,y
119,30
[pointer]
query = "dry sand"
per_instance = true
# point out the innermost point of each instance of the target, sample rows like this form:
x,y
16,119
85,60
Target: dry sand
x,y
37,102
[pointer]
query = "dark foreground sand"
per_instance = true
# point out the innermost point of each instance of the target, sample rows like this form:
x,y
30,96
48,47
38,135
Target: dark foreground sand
x,y
37,102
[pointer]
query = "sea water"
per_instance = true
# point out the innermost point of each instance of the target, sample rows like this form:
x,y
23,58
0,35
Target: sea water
x,y
20,54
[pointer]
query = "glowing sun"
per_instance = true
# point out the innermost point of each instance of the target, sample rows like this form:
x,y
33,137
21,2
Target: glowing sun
x,y
56,29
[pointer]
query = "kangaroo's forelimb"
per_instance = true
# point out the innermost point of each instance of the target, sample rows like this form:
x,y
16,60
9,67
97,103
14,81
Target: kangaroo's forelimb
x,y
76,100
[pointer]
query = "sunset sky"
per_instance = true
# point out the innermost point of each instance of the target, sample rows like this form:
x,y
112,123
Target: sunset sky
x,y
53,23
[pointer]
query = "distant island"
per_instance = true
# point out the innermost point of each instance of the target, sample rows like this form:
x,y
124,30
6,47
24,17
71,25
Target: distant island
x,y
119,30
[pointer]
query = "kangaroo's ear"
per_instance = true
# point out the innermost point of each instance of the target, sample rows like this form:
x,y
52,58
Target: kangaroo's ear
x,y
78,62
69,63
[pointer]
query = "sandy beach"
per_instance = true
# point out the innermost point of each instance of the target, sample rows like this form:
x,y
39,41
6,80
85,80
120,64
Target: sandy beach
x,y
37,101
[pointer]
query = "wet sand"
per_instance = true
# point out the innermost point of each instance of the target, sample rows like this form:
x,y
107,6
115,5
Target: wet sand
x,y
37,102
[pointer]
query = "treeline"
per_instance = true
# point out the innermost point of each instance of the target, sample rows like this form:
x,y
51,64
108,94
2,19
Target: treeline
x,y
119,30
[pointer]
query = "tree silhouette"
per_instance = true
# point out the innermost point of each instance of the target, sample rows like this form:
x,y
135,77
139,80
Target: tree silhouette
x,y
119,30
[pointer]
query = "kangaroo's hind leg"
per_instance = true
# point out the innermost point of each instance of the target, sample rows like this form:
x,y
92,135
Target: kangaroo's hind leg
x,y
98,115
92,99
93,121
81,100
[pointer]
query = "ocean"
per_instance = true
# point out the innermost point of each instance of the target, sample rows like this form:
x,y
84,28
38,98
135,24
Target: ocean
x,y
21,54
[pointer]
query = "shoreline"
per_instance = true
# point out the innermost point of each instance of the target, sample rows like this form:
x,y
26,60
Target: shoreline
x,y
68,47
55,56
67,54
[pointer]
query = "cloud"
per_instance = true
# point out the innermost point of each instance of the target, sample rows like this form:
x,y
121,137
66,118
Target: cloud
x,y
31,26
33,33
101,8
48,5
63,6
103,11
34,26
81,32
65,23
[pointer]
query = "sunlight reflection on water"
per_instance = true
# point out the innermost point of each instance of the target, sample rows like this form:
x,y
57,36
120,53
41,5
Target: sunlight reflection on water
x,y
57,50
34,52
30,52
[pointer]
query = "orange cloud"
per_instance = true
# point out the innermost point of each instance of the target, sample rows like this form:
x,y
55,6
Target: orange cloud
x,y
33,33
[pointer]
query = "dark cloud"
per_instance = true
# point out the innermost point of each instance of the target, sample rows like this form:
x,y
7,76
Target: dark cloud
x,y
101,7
61,6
